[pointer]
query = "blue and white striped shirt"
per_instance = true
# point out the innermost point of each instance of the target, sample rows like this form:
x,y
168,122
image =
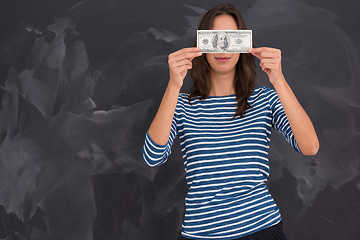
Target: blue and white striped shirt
x,y
226,163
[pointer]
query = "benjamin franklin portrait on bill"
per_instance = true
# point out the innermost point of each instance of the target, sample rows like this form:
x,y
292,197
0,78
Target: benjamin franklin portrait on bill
x,y
221,41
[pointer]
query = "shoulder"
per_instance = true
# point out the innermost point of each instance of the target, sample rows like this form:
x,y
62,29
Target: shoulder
x,y
183,95
265,92
260,93
183,100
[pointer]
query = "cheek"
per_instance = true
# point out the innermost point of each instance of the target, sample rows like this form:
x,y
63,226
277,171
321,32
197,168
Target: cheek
x,y
236,57
209,58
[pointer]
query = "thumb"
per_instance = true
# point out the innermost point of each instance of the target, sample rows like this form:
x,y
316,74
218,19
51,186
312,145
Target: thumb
x,y
255,51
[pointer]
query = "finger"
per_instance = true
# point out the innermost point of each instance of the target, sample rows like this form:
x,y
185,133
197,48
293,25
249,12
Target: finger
x,y
180,69
261,49
260,54
184,68
265,52
257,51
269,56
187,50
180,63
176,65
274,50
187,55
191,56
269,60
254,52
256,55
275,63
267,66
175,55
175,60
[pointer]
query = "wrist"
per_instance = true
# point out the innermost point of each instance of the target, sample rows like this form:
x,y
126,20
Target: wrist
x,y
173,87
278,81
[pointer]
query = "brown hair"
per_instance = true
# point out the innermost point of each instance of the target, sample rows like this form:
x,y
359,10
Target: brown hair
x,y
245,74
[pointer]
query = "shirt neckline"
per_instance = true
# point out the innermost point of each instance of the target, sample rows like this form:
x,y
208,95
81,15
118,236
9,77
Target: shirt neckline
x,y
224,96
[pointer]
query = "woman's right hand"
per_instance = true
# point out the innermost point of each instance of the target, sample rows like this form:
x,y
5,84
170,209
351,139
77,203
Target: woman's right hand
x,y
180,63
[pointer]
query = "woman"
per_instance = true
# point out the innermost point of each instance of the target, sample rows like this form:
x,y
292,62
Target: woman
x,y
224,126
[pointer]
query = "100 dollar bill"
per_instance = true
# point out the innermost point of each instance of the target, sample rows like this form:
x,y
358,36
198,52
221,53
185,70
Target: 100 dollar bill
x,y
224,41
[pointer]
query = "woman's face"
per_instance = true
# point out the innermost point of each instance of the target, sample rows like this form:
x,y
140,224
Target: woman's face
x,y
223,62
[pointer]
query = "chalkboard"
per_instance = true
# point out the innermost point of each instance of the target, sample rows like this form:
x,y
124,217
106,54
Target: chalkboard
x,y
81,81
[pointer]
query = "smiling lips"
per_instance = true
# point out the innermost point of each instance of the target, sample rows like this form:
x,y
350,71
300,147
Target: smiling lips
x,y
222,59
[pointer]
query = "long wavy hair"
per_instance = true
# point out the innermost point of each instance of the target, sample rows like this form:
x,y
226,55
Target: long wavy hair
x,y
245,69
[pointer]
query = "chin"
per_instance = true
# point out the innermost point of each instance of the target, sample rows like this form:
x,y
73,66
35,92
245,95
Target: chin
x,y
223,71
223,68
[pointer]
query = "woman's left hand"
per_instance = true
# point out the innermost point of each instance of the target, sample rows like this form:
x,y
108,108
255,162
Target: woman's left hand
x,y
270,62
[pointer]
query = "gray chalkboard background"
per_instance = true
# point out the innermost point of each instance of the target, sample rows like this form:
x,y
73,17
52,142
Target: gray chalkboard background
x,y
81,80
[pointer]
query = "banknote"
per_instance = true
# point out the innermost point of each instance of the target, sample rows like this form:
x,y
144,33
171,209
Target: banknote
x,y
220,41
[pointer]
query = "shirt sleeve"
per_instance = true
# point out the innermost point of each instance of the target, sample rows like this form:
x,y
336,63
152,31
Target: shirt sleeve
x,y
279,119
155,154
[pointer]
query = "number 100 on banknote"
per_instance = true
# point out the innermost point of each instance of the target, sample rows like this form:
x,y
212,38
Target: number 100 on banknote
x,y
224,41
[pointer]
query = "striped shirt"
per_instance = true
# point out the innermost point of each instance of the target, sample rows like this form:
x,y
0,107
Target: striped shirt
x,y
226,163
